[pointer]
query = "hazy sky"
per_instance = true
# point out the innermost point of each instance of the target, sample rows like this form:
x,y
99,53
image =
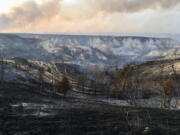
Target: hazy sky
x,y
89,16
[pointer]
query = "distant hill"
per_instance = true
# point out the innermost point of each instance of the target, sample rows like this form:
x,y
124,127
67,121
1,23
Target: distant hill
x,y
87,50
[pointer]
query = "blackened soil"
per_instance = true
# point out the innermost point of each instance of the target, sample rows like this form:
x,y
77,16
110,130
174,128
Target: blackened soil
x,y
80,117
103,121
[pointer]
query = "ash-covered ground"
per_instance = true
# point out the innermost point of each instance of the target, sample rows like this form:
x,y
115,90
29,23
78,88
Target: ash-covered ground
x,y
31,113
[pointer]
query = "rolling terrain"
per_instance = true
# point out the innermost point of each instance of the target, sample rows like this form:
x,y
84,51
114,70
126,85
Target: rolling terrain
x,y
85,51
96,67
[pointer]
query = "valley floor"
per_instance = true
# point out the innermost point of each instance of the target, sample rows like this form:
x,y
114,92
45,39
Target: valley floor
x,y
104,120
82,116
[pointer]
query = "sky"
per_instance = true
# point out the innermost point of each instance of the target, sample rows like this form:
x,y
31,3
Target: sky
x,y
90,16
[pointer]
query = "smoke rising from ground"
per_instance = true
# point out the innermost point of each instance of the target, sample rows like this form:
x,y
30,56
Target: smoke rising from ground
x,y
30,12
131,5
92,16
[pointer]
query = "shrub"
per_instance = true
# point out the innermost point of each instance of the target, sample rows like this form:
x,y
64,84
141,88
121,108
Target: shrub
x,y
63,85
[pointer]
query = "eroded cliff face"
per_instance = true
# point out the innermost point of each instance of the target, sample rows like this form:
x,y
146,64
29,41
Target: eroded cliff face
x,y
88,50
